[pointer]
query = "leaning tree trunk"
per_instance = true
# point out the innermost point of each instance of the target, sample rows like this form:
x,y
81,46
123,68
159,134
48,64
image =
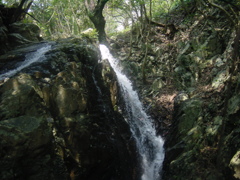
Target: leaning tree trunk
x,y
96,16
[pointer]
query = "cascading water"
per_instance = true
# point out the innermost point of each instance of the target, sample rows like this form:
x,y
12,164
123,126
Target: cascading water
x,y
150,146
30,58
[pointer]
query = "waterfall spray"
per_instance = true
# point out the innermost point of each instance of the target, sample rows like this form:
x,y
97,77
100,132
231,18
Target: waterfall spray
x,y
149,145
30,58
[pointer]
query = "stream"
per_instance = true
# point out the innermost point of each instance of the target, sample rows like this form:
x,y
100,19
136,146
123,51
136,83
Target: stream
x,y
30,58
149,145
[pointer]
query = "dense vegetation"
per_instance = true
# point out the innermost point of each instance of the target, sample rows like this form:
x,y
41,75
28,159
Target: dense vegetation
x,y
61,19
69,17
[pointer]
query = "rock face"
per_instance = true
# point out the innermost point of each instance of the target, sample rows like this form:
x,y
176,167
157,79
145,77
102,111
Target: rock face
x,y
23,33
202,140
194,78
58,119
17,34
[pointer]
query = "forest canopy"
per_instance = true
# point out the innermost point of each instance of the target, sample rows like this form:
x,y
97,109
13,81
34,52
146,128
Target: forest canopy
x,y
64,18
59,19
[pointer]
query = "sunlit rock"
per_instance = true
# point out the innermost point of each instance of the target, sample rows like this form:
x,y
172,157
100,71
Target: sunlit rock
x,y
59,118
235,164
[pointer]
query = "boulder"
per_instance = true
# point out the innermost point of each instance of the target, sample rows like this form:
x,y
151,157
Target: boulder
x,y
23,33
60,114
27,30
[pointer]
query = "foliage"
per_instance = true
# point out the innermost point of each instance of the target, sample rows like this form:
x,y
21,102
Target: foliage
x,y
90,33
61,18
65,18
161,8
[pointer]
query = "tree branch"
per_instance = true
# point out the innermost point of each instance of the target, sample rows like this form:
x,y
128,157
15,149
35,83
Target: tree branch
x,y
222,9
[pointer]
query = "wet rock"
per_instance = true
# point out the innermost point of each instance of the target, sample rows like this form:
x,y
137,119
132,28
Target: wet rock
x,y
59,117
17,39
3,39
17,34
110,80
24,142
15,99
30,32
69,91
11,58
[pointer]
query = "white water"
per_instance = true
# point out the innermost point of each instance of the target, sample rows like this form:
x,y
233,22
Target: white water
x,y
150,146
30,58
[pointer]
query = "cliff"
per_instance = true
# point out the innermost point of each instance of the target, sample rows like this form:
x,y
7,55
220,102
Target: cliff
x,y
58,115
191,88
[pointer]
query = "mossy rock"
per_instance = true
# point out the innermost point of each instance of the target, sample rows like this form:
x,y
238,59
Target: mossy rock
x,y
234,104
15,99
190,110
31,32
24,144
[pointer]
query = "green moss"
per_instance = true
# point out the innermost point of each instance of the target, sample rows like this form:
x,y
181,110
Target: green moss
x,y
234,104
191,109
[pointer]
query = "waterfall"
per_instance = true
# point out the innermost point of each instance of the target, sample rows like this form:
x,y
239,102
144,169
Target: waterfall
x,y
150,146
30,58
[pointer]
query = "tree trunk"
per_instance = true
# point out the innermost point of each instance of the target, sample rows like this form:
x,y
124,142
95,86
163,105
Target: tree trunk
x,y
150,9
95,15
